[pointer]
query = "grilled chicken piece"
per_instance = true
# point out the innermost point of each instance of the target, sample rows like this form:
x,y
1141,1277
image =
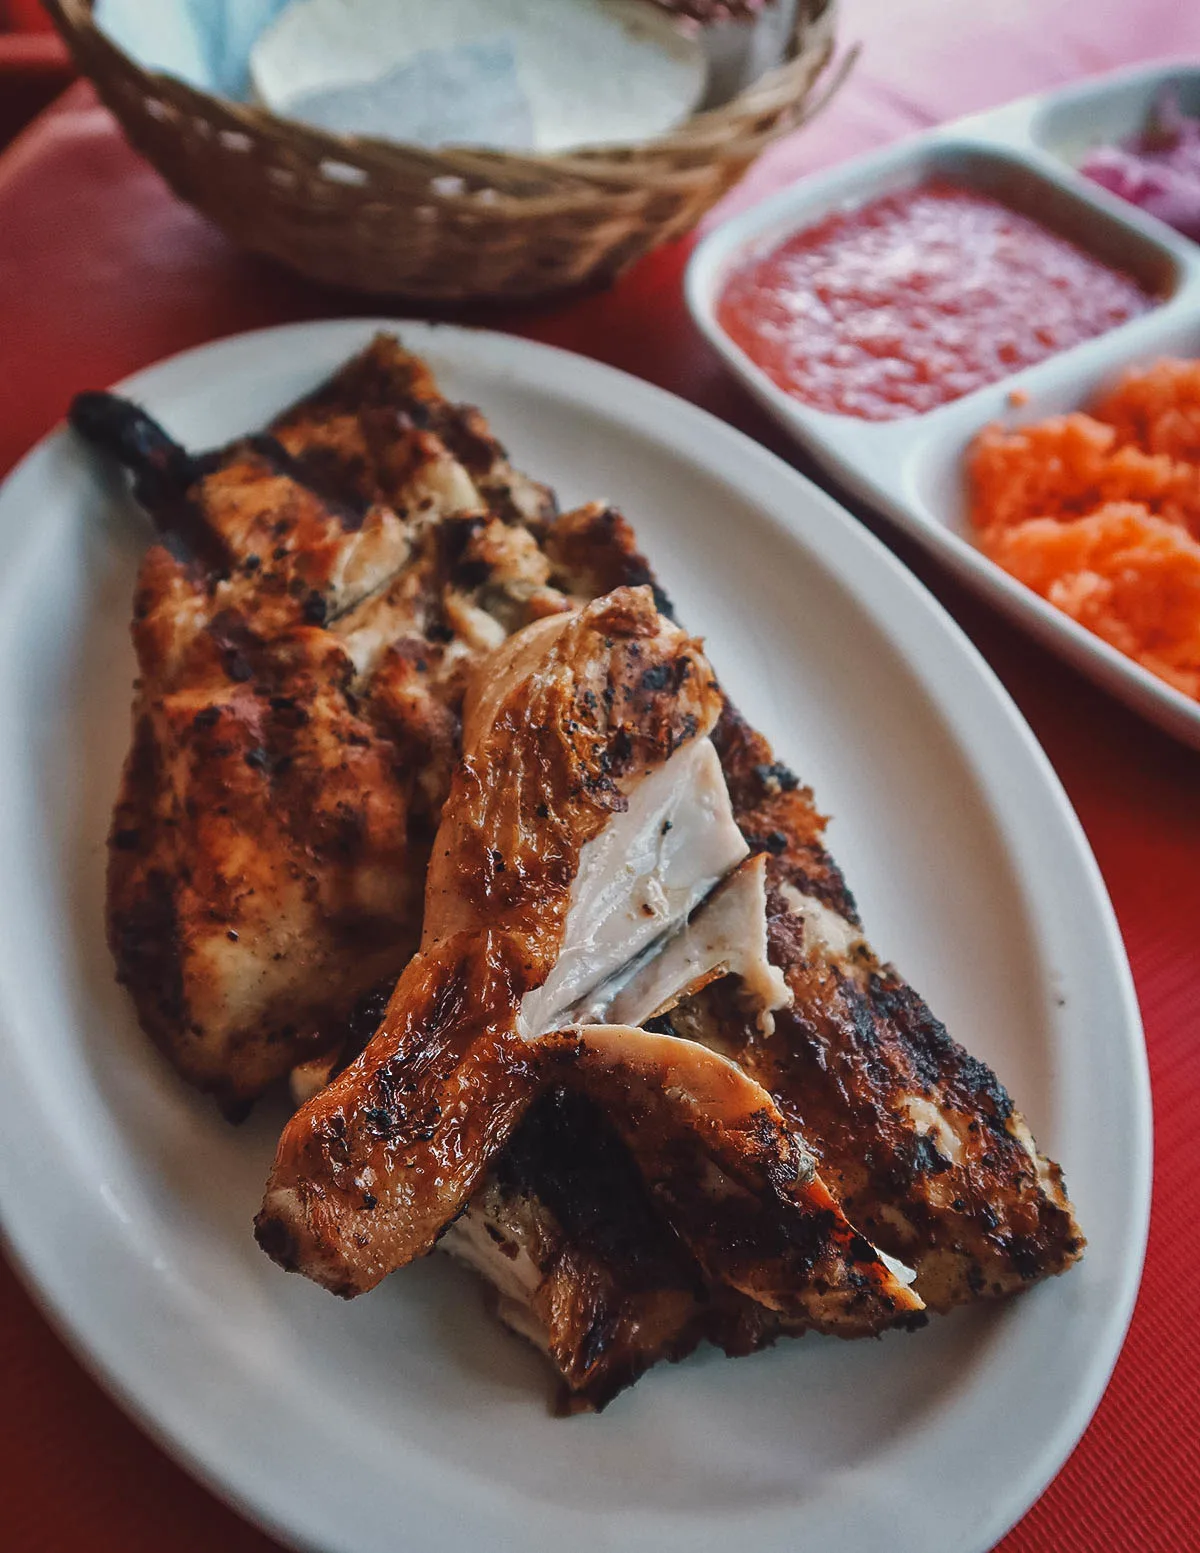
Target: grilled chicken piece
x,y
259,877
305,631
303,635
587,820
917,1140
580,1259
564,724
585,1264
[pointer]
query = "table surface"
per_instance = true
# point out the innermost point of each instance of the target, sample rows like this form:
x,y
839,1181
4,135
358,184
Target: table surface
x,y
102,271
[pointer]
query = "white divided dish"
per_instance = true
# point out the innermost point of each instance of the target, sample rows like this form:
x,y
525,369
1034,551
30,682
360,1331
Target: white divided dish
x,y
912,469
409,1418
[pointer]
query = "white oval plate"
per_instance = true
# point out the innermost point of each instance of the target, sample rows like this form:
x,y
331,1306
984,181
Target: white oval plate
x,y
410,1418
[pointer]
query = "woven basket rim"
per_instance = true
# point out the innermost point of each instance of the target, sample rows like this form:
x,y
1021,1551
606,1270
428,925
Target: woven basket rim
x,y
814,27
447,223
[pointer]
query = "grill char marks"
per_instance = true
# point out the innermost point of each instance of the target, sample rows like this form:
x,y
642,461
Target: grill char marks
x,y
772,807
594,550
620,1290
948,1179
567,730
305,633
319,470
497,900
302,653
163,473
737,1185
366,412
569,1152
221,918
616,1290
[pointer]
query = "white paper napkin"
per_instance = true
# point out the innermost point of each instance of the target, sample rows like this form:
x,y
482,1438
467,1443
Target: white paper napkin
x,y
545,74
204,42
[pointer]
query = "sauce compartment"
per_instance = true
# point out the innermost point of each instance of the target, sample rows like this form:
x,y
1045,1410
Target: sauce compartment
x,y
1136,136
1065,210
1052,200
933,480
1110,110
918,298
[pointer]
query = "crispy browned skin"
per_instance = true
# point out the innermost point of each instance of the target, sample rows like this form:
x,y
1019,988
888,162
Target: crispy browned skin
x,y
309,762
918,1139
259,875
582,1260
607,1293
260,831
733,1179
586,1264
540,779
303,637
371,1171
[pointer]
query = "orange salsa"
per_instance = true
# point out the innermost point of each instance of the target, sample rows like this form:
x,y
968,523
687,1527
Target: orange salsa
x,y
1100,514
916,299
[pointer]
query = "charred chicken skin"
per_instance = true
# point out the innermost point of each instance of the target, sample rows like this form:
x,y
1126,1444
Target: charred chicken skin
x,y
585,750
302,634
918,1141
305,632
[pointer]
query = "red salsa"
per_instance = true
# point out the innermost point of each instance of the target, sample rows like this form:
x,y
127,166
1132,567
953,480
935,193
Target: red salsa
x,y
916,299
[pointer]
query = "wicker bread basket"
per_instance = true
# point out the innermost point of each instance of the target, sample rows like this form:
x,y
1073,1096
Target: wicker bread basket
x,y
449,224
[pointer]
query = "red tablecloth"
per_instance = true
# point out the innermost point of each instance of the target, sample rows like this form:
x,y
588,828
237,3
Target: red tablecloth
x,y
101,272
34,69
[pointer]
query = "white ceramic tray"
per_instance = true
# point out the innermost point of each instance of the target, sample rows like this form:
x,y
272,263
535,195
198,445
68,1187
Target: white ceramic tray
x,y
1025,153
